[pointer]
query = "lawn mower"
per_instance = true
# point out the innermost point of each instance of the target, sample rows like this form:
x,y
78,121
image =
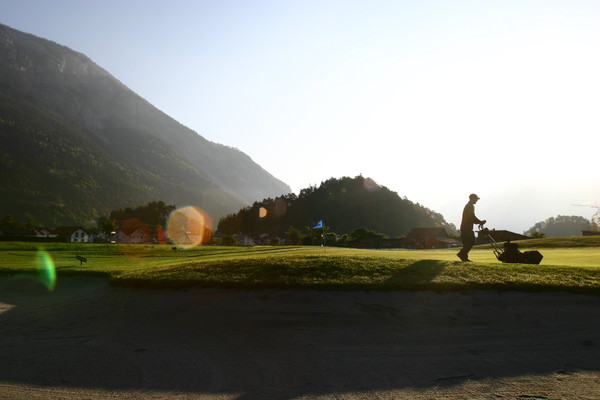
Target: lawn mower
x,y
511,252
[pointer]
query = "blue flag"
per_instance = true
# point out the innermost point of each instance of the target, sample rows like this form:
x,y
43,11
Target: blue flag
x,y
318,225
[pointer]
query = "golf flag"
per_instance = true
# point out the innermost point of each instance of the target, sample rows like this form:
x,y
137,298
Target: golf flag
x,y
318,225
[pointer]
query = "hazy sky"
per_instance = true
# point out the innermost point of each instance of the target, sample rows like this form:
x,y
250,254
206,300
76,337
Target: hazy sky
x,y
432,99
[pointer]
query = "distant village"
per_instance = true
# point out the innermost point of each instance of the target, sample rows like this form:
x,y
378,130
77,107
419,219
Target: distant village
x,y
136,232
140,234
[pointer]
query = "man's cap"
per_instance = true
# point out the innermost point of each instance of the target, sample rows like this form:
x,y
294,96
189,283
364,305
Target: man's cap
x,y
474,196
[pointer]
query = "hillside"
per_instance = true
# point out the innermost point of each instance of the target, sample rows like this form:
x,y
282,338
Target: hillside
x,y
343,204
76,143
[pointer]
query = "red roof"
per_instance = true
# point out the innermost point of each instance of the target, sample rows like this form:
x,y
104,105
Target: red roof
x,y
129,226
422,234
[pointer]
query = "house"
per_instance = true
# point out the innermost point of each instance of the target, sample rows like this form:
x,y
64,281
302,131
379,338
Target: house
x,y
133,236
134,231
16,233
501,236
244,240
42,233
73,234
430,238
590,233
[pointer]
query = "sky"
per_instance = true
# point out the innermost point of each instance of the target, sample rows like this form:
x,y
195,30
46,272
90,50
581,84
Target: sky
x,y
432,99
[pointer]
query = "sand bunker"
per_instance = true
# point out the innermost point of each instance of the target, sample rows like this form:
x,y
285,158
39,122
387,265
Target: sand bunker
x,y
90,340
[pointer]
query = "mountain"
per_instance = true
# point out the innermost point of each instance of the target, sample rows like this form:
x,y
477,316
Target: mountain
x,y
75,143
342,204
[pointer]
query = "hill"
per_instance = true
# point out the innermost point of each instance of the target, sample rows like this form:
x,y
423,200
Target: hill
x,y
343,204
561,226
76,143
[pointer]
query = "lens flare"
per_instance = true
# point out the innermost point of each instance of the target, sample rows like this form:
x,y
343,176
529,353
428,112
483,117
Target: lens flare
x,y
262,212
188,227
46,269
370,185
279,207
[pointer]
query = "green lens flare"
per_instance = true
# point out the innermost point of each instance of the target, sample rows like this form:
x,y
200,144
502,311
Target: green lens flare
x,y
46,269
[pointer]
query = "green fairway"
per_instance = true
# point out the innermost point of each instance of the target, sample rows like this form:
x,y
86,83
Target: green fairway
x,y
574,268
574,257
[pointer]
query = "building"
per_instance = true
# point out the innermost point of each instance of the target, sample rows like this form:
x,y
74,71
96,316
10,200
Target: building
x,y
501,236
134,231
42,233
73,234
16,233
590,233
244,240
430,238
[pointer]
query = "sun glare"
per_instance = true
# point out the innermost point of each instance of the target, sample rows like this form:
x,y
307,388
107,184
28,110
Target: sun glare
x,y
262,212
46,269
188,227
5,307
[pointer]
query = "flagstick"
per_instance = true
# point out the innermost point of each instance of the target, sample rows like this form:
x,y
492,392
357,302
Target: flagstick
x,y
321,226
323,238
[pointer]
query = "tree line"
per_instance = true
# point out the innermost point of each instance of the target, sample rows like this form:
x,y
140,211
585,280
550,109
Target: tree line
x,y
155,213
561,226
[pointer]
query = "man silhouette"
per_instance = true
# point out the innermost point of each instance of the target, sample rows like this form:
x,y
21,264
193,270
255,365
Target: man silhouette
x,y
466,227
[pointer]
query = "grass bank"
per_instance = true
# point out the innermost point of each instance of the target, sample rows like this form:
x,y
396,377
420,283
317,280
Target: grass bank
x,y
573,269
323,272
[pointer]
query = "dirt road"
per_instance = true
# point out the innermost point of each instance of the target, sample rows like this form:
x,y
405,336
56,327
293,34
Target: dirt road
x,y
89,340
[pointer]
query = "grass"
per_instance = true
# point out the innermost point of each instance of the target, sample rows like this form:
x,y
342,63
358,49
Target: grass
x,y
573,241
570,264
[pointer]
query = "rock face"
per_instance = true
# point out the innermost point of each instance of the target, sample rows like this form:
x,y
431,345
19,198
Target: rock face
x,y
76,143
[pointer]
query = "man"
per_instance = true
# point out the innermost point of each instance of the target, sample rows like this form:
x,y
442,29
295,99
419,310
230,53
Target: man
x,y
466,227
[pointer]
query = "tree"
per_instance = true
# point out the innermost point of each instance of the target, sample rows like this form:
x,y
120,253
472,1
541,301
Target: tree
x,y
561,226
31,223
344,240
346,203
229,241
365,237
9,221
307,240
293,236
596,220
154,213
107,225
363,233
330,239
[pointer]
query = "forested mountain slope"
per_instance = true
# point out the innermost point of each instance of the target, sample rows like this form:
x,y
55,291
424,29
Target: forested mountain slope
x,y
76,143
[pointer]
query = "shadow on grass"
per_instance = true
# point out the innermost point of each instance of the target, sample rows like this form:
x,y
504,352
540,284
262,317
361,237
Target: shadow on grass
x,y
444,276
416,276
316,274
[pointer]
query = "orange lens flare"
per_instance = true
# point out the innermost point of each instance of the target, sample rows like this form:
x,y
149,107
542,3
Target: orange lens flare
x,y
188,227
262,212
